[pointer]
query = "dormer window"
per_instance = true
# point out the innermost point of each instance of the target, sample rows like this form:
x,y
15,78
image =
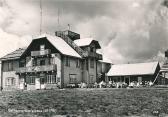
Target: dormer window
x,y
42,47
92,49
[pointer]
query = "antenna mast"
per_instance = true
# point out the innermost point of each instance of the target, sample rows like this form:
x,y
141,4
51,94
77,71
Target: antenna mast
x,y
58,19
41,14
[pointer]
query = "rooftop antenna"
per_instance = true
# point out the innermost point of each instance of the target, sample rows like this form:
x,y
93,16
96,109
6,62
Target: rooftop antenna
x,y
41,14
58,20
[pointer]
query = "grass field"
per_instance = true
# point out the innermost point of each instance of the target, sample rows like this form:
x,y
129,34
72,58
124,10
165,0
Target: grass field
x,y
85,102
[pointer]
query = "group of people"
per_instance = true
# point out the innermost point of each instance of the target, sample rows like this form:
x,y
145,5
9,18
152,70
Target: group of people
x,y
140,84
112,84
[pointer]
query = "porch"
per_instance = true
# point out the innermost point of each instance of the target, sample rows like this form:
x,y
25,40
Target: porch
x,y
126,79
39,81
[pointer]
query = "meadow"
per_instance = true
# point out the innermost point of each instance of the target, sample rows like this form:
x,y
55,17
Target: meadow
x,y
85,103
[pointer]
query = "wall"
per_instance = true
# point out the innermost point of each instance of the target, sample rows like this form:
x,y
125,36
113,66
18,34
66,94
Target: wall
x,y
92,71
57,61
28,61
6,74
72,70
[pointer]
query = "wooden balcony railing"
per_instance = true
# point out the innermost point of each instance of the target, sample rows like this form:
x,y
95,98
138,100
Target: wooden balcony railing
x,y
165,66
43,68
41,52
95,55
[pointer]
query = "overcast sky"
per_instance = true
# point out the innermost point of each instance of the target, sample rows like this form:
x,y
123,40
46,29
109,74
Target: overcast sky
x,y
128,30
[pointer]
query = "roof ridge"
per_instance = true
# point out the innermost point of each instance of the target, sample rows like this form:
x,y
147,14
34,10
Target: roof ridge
x,y
136,63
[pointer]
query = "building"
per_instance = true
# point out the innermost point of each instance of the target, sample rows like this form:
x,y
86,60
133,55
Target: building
x,y
163,77
134,72
51,62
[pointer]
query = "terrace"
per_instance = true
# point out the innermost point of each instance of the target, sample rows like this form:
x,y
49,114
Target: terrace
x,y
44,68
40,53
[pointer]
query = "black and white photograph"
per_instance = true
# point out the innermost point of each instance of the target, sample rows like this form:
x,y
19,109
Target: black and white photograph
x,y
83,58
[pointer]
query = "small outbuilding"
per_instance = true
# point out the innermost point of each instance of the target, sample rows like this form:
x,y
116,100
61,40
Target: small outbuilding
x,y
139,72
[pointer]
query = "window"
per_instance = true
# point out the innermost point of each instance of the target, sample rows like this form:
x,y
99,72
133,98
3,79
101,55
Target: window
x,y
92,49
67,61
91,79
51,79
42,62
35,62
49,61
77,63
87,64
139,79
162,81
72,78
10,66
10,81
58,79
92,63
42,47
42,80
22,63
30,79
52,61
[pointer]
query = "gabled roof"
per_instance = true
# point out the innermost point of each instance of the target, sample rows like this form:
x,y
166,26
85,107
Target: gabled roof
x,y
86,42
14,55
57,42
133,69
60,45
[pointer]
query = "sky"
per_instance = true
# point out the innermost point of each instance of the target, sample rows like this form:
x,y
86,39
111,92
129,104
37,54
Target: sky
x,y
128,31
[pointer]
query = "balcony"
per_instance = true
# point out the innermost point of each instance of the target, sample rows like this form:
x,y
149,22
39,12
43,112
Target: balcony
x,y
95,55
44,68
40,53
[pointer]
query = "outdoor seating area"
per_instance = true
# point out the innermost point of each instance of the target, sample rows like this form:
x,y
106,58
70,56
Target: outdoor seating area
x,y
112,84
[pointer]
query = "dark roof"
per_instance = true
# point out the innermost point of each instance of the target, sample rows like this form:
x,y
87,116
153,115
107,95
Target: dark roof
x,y
59,44
14,55
86,42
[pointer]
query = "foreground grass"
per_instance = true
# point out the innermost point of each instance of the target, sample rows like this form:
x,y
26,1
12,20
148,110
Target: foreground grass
x,y
85,102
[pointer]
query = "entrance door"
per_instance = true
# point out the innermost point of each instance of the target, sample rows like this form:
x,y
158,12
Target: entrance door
x,y
42,77
37,83
22,83
42,82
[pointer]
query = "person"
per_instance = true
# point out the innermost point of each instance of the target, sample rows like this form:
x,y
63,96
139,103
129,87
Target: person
x,y
83,85
80,85
110,84
138,84
25,85
117,85
95,85
113,85
131,85
102,84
